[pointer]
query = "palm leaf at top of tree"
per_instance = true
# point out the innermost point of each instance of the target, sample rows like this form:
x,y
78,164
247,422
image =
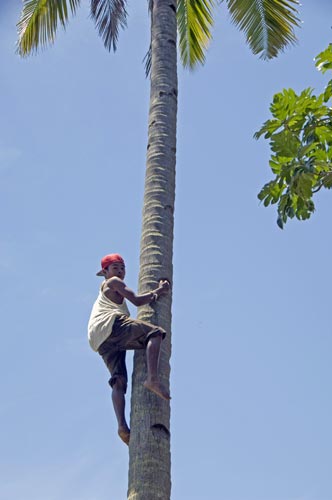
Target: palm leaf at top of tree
x,y
195,21
109,15
268,24
39,21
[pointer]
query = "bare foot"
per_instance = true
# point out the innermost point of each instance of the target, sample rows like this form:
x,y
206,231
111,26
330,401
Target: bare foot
x,y
157,388
124,434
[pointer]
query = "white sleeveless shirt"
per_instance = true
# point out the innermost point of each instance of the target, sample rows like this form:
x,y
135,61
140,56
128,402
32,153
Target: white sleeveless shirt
x,y
104,313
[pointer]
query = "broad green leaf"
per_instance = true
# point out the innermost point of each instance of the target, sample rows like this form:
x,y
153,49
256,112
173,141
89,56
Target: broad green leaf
x,y
285,144
324,134
267,200
306,149
268,128
324,59
327,180
290,212
328,91
280,222
284,104
275,165
320,157
304,186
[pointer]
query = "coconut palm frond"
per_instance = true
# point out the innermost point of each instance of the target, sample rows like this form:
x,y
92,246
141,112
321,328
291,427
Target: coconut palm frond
x,y
194,18
109,15
268,24
39,21
148,61
148,56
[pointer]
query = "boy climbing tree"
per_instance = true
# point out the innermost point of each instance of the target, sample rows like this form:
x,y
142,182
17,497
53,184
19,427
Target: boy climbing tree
x,y
112,332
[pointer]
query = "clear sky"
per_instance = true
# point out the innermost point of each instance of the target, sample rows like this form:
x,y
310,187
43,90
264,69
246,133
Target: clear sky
x,y
251,363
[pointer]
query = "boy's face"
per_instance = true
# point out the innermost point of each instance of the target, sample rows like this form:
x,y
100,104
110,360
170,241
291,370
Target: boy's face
x,y
115,269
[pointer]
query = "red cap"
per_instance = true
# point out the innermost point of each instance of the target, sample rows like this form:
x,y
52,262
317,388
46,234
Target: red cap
x,y
108,260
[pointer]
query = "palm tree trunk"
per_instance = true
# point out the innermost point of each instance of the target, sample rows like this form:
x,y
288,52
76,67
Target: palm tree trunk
x,y
149,450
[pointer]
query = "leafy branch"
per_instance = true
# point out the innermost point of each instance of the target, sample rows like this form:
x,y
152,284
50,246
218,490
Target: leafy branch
x,y
300,137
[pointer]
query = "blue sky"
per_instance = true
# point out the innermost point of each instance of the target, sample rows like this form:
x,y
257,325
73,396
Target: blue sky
x,y
251,371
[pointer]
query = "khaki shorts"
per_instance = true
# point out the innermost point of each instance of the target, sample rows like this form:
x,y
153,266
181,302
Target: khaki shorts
x,y
127,334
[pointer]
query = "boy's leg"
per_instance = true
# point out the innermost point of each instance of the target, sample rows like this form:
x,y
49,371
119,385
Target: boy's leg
x,y
118,399
136,334
152,359
115,361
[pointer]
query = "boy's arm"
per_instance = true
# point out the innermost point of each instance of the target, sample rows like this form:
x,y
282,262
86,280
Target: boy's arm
x,y
138,300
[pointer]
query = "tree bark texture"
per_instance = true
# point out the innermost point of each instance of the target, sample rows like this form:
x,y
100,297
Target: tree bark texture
x,y
149,449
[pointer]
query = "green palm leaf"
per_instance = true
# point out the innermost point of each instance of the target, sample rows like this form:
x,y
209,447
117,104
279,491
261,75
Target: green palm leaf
x,y
108,16
267,24
39,21
194,18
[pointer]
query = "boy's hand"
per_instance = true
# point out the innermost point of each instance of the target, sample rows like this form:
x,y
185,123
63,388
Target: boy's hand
x,y
164,286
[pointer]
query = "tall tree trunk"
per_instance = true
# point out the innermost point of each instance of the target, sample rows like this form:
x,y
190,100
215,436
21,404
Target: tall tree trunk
x,y
149,449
